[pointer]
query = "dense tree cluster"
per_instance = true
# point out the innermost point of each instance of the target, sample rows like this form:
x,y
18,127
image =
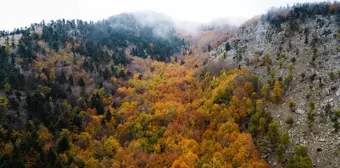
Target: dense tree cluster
x,y
107,41
8,71
4,33
167,119
116,33
301,11
70,96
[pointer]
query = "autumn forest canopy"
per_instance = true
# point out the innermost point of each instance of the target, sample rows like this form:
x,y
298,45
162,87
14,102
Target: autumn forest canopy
x,y
130,92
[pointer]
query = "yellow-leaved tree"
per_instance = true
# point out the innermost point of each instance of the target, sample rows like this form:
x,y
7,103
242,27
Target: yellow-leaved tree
x,y
278,91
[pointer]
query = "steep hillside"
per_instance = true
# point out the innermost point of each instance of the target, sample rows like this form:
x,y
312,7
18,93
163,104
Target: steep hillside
x,y
299,47
135,90
115,94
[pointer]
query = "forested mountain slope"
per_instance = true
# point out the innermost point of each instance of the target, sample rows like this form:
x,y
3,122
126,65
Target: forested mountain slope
x,y
78,94
110,40
299,48
135,91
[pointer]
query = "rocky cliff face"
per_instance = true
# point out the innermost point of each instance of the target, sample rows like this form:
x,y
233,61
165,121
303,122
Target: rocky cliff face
x,y
312,48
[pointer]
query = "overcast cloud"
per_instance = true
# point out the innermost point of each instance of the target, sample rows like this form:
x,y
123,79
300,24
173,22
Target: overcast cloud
x,y
20,13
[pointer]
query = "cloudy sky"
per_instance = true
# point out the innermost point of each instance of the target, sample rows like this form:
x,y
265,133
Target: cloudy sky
x,y
20,13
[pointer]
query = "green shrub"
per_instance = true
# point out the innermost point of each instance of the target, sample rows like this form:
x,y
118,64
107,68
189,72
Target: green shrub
x,y
266,59
247,61
221,58
288,30
281,63
284,139
268,69
290,120
293,60
273,132
310,115
315,51
300,159
265,91
288,80
336,113
331,75
272,77
311,105
282,147
290,68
